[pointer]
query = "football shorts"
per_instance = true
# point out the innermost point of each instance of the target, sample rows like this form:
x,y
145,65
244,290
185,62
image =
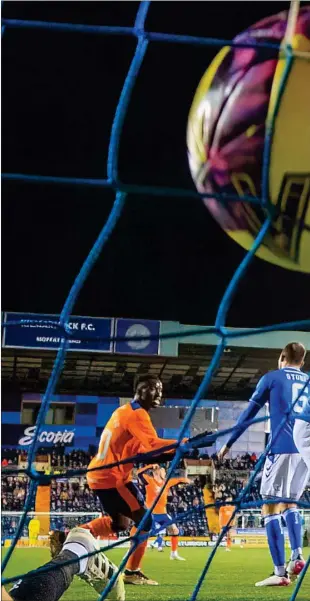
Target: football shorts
x,y
301,435
284,475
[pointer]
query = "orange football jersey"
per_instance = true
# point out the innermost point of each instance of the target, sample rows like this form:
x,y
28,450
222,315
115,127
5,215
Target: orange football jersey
x,y
128,432
152,489
225,513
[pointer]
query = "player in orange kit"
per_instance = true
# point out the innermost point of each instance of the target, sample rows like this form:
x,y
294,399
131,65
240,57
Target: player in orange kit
x,y
225,514
128,432
153,483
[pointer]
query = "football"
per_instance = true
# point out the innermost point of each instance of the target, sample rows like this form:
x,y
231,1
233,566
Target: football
x,y
248,135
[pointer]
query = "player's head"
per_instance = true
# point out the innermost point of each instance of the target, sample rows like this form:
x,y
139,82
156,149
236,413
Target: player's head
x,y
292,355
148,392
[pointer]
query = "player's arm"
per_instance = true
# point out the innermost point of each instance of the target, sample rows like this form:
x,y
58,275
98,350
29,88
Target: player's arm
x,y
142,474
258,399
176,481
141,470
141,427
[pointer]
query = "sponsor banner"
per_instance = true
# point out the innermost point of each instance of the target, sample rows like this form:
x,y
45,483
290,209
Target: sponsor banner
x,y
258,541
25,542
128,328
47,436
47,336
248,540
190,541
75,436
250,531
22,435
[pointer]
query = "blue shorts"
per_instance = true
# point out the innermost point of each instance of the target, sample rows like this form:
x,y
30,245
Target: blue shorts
x,y
162,521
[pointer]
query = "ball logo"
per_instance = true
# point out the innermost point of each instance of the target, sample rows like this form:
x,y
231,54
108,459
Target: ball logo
x,y
138,329
65,436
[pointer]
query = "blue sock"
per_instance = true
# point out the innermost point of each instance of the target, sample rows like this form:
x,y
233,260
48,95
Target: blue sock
x,y
275,538
159,540
293,522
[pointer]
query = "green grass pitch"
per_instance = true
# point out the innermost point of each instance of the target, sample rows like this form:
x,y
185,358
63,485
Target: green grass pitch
x,y
231,577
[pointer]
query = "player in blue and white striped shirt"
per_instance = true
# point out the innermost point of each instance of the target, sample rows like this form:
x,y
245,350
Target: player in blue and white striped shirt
x,y
285,472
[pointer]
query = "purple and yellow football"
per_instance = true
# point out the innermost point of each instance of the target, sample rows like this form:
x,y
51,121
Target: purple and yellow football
x,y
243,91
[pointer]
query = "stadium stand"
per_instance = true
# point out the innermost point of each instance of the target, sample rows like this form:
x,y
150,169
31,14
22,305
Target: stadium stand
x,y
74,424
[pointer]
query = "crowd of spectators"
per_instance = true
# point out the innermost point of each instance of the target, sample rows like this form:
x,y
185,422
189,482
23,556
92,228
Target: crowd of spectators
x,y
240,462
189,498
73,495
9,457
74,460
59,459
13,492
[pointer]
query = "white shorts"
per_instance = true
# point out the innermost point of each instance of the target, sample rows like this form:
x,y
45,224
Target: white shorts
x,y
301,435
285,476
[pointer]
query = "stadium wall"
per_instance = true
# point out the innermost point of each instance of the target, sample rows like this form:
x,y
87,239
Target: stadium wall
x,y
92,413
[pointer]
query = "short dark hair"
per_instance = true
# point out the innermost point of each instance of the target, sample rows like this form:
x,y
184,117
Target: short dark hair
x,y
294,353
146,380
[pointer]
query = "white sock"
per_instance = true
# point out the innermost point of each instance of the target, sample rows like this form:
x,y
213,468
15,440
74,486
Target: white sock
x,y
279,570
296,553
78,550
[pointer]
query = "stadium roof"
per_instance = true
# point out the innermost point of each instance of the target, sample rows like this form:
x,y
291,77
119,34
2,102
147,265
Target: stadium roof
x,y
112,374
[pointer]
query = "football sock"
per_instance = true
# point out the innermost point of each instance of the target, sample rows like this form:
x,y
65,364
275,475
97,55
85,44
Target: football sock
x,y
293,522
275,538
100,527
133,563
174,543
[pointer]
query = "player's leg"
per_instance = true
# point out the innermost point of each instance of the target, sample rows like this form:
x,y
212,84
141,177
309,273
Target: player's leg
x,y
161,521
273,486
123,504
134,499
50,585
222,524
102,527
228,541
159,542
293,522
173,531
276,543
297,480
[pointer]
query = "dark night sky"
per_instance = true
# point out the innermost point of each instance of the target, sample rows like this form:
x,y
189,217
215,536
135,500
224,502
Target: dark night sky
x,y
167,258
